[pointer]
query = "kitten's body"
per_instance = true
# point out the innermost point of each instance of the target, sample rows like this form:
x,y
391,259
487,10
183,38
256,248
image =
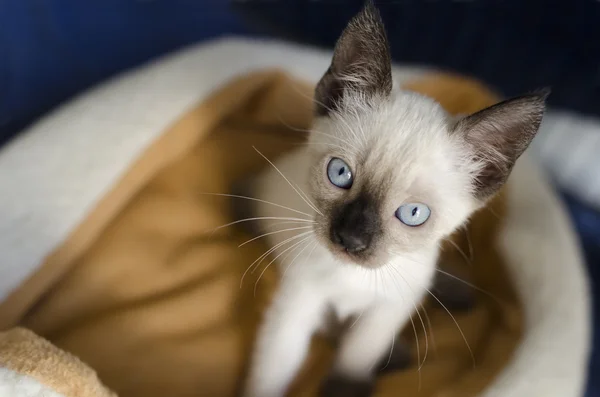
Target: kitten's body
x,y
316,281
350,249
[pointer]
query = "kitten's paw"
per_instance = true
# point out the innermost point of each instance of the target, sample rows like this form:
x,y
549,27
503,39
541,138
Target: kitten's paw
x,y
340,386
399,359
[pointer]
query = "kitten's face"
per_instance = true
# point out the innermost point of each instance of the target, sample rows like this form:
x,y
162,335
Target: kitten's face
x,y
389,178
392,173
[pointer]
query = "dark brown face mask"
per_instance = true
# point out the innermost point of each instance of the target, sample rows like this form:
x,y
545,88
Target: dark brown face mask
x,y
356,226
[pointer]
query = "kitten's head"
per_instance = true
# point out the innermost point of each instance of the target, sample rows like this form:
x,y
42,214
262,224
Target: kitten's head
x,y
393,173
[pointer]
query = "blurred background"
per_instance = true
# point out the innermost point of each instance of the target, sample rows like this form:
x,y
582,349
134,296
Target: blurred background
x,y
50,50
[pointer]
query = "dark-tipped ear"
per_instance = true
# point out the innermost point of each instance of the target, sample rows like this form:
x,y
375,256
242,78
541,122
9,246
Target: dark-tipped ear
x,y
499,135
361,61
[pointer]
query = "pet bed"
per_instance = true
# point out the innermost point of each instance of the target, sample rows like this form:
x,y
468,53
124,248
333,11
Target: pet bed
x,y
109,249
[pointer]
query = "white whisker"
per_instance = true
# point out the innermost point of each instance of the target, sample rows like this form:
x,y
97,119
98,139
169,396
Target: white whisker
x,y
420,318
493,212
457,326
288,181
470,285
391,352
274,259
268,252
258,218
272,225
305,197
357,318
469,242
296,257
465,257
259,200
275,232
431,335
489,294
413,325
263,256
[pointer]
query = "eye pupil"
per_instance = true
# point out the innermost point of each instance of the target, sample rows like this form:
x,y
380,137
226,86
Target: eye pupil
x,y
342,171
414,211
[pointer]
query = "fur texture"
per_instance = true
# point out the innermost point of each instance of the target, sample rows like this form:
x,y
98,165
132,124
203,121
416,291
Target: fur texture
x,y
402,148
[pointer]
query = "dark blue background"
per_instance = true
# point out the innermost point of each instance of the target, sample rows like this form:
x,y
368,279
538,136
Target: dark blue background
x,y
52,49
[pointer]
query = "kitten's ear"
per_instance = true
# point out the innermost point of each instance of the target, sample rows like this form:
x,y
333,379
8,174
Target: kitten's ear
x,y
361,61
498,135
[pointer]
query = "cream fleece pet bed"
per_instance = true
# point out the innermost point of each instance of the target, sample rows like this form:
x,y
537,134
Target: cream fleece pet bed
x,y
54,176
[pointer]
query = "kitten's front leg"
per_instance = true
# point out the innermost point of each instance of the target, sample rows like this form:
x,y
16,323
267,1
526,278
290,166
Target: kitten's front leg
x,y
363,347
283,341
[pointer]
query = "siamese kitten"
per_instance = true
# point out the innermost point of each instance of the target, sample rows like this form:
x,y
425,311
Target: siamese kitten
x,y
385,176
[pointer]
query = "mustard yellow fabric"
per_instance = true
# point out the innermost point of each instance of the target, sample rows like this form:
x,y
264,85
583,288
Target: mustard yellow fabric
x,y
148,295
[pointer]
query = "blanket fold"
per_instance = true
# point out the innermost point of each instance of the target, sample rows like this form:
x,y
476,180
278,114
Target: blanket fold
x,y
31,366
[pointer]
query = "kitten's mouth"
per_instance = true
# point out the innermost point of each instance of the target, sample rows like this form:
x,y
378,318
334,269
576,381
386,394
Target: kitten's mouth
x,y
350,246
343,253
368,261
349,256
339,252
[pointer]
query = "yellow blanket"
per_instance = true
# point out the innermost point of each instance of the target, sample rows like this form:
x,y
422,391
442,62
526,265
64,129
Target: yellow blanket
x,y
149,297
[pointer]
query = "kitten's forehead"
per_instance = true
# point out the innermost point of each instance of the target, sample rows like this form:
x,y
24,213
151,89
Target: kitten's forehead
x,y
402,120
398,138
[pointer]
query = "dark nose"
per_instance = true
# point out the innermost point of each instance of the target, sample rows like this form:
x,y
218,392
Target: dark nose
x,y
352,242
355,226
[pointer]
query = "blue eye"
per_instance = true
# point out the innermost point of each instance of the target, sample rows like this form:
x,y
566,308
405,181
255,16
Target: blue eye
x,y
339,173
413,214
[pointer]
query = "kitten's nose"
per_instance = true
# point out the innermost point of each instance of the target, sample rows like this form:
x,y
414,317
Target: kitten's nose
x,y
356,225
353,243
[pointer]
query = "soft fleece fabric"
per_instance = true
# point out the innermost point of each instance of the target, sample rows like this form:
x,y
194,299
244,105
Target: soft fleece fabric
x,y
31,366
